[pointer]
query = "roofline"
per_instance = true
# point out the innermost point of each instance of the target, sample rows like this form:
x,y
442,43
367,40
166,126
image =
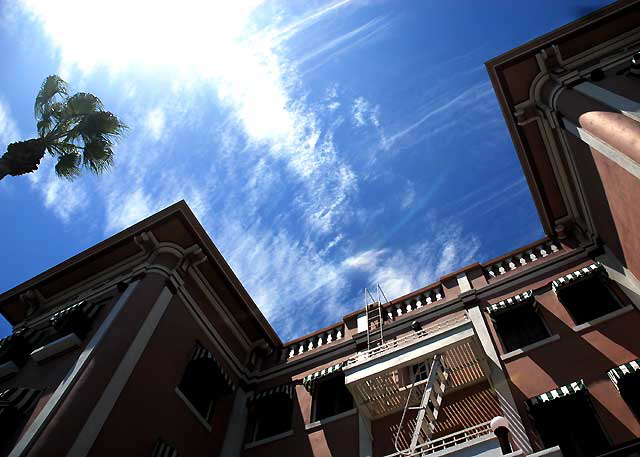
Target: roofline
x,y
179,208
554,34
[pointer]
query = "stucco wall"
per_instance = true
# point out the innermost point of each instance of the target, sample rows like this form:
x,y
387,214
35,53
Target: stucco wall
x,y
585,354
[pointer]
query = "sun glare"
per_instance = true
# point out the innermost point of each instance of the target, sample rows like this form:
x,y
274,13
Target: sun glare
x,y
186,35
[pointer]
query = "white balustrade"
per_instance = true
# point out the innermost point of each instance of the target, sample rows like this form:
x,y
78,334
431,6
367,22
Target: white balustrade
x,y
314,342
521,259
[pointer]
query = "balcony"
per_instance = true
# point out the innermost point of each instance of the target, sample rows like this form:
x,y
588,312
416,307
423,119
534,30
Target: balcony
x,y
478,440
378,378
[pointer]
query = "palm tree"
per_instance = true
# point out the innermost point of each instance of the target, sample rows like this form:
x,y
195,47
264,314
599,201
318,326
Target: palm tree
x,y
75,129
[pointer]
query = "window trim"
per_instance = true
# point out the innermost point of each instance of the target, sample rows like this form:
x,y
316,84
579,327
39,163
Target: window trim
x,y
530,347
192,408
327,420
604,318
314,402
56,347
269,439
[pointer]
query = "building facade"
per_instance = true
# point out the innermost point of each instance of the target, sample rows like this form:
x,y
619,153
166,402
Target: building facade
x,y
147,343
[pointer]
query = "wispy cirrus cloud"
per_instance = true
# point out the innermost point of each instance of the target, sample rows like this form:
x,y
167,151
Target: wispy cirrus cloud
x,y
63,197
347,41
402,271
292,247
8,128
442,113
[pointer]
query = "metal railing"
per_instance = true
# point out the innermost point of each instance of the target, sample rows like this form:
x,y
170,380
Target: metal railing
x,y
406,340
448,441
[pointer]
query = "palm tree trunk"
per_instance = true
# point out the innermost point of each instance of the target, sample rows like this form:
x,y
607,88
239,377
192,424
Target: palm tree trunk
x,y
22,157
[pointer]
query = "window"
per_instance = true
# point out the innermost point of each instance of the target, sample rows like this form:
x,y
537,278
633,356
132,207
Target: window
x,y
571,423
331,396
14,348
203,383
419,372
629,387
519,326
270,415
588,299
16,403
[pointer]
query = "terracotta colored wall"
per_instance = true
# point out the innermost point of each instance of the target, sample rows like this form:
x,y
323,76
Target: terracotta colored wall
x,y
610,192
338,438
48,374
149,408
64,426
622,190
215,315
586,354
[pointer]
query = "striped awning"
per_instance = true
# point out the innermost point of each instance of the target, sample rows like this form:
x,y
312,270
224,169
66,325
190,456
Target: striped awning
x,y
286,389
164,449
86,308
309,380
524,297
22,399
560,392
202,353
582,273
615,374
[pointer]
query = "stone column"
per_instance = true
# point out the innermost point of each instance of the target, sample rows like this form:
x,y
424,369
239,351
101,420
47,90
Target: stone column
x,y
498,380
365,437
233,439
606,121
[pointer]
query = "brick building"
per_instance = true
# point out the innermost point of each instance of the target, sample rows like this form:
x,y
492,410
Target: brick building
x,y
148,345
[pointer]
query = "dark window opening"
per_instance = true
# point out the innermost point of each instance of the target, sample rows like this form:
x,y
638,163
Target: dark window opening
x,y
202,385
14,348
9,418
419,372
331,397
269,416
629,386
589,299
571,423
520,326
74,322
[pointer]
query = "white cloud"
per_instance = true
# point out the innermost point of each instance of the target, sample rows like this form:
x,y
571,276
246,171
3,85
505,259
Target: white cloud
x,y
217,44
346,41
272,134
155,122
364,113
125,209
64,198
365,260
409,196
402,271
452,105
8,128
284,276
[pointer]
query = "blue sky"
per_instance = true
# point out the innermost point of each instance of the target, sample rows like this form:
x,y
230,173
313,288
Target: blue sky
x,y
325,146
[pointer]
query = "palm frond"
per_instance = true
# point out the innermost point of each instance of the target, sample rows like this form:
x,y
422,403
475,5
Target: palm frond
x,y
97,156
68,165
101,124
53,85
83,103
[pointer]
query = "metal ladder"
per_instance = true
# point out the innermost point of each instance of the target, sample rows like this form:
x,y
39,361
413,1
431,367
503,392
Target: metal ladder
x,y
373,308
429,405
